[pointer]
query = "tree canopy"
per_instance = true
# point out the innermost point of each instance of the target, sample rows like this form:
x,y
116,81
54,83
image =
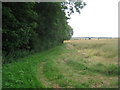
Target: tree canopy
x,y
35,26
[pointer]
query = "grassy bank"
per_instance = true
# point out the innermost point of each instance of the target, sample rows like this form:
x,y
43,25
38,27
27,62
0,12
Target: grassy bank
x,y
23,73
76,64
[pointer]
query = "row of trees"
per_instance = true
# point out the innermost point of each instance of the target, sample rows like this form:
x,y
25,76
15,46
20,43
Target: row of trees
x,y
32,26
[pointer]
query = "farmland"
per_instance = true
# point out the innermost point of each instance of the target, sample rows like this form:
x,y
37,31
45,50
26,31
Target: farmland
x,y
75,64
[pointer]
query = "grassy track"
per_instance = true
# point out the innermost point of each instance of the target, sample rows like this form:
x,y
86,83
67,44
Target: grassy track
x,y
23,74
77,63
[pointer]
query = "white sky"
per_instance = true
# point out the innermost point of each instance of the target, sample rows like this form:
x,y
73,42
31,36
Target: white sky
x,y
99,18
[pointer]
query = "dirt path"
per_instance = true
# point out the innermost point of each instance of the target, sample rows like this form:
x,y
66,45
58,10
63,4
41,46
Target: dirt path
x,y
41,76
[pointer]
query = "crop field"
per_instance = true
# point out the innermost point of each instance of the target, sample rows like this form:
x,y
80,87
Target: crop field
x,y
75,64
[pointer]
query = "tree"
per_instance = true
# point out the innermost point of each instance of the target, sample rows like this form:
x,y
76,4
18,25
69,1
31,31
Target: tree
x,y
35,26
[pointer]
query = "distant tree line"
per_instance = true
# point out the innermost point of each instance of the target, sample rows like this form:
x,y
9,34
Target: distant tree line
x,y
29,27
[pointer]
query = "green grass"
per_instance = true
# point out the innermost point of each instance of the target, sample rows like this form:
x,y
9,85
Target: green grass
x,y
23,73
75,64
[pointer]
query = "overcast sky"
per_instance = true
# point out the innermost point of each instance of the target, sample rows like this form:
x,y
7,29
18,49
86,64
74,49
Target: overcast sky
x,y
99,18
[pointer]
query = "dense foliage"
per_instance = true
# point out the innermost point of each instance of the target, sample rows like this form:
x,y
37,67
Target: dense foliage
x,y
31,27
